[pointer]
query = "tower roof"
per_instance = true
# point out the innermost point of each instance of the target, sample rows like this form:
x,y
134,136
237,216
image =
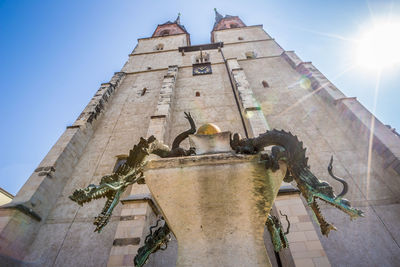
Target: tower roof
x,y
218,17
227,21
172,27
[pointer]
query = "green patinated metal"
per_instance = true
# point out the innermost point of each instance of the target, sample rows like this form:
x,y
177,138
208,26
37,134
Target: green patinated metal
x,y
153,242
287,148
275,229
290,149
112,186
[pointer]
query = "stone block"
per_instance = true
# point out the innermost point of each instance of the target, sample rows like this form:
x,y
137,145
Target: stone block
x,y
304,262
321,262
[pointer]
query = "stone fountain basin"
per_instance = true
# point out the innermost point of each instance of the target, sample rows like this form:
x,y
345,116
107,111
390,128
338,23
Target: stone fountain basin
x,y
216,206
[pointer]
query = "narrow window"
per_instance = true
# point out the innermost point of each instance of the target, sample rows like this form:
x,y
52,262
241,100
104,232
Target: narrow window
x,y
197,94
144,91
240,38
250,55
159,47
148,68
265,84
120,160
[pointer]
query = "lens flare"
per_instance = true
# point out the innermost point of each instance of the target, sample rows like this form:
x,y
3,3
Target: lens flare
x,y
305,82
378,47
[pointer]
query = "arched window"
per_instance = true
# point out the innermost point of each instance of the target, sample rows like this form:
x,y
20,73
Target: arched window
x,y
159,47
233,25
164,33
197,94
143,91
265,84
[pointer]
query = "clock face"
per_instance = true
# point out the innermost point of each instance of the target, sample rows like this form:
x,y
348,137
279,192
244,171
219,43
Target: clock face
x,y
202,69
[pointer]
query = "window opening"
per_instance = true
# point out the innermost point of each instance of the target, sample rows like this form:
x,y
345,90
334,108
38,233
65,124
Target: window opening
x,y
250,55
265,84
160,47
197,94
144,91
164,33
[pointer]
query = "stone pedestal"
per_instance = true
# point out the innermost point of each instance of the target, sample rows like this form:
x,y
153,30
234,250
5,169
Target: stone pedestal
x,y
216,205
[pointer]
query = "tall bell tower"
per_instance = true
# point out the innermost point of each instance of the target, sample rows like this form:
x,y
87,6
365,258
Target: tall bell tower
x,y
244,82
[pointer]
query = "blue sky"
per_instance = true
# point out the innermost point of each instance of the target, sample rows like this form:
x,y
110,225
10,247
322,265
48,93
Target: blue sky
x,y
55,54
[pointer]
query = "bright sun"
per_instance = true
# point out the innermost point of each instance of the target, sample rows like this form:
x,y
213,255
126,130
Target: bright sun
x,y
379,46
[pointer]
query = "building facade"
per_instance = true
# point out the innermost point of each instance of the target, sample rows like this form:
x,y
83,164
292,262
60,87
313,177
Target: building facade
x,y
244,82
5,197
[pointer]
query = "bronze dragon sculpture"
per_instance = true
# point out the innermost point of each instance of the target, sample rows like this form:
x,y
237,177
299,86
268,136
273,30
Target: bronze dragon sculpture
x,y
286,147
289,148
275,229
154,241
112,186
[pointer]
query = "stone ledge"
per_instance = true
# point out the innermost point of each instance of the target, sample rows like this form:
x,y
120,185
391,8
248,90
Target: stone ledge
x,y
201,47
250,41
24,209
288,189
241,28
197,160
264,57
158,116
292,58
152,52
344,98
159,37
141,198
252,108
73,126
126,241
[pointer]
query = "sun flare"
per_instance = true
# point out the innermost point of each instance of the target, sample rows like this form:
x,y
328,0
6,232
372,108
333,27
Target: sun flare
x,y
378,46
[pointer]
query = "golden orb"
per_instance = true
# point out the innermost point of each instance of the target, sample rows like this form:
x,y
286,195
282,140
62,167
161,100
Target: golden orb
x,y
208,129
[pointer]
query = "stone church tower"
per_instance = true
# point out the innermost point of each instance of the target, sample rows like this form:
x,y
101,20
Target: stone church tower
x,y
244,82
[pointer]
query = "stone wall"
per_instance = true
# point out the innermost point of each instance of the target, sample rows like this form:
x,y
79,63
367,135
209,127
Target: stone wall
x,y
249,33
300,99
41,226
148,45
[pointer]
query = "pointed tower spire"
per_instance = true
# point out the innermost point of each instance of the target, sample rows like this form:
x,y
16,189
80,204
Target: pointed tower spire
x,y
171,28
178,19
226,22
218,16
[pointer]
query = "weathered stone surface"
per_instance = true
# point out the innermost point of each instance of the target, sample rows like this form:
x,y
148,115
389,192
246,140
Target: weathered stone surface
x,y
299,98
218,205
206,144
